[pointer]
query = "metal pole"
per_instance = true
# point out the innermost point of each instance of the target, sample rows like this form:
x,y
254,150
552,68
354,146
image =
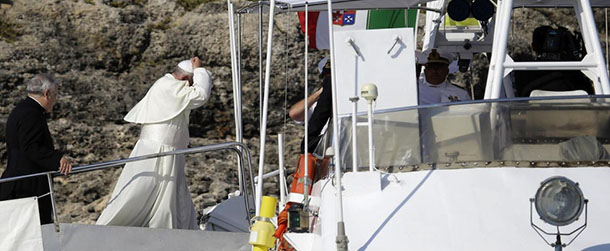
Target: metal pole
x,y
497,23
263,135
306,110
282,178
239,35
239,137
238,75
354,132
558,245
499,54
247,151
55,219
341,237
260,64
371,144
585,7
244,192
607,56
236,108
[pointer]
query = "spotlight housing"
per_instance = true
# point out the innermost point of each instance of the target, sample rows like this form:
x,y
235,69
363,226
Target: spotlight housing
x,y
458,10
559,201
482,10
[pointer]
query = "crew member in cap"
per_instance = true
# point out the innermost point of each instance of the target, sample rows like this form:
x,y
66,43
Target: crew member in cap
x,y
434,87
319,108
153,192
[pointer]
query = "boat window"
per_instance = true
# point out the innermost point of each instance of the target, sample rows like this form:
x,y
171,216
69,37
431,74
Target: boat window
x,y
526,130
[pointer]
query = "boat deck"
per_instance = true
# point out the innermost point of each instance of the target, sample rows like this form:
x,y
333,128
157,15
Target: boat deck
x,y
95,237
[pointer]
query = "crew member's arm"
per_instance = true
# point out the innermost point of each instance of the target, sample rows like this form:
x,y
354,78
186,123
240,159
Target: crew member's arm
x,y
297,111
321,114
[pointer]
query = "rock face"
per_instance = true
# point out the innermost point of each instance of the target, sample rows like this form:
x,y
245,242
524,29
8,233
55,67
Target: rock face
x,y
106,53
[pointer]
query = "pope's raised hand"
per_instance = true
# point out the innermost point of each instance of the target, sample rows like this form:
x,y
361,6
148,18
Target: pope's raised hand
x,y
196,62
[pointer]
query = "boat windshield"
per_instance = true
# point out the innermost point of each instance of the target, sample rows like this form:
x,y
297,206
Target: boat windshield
x,y
557,131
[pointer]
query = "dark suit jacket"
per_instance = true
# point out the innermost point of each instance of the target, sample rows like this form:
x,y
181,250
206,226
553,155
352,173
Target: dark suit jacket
x,y
30,150
320,116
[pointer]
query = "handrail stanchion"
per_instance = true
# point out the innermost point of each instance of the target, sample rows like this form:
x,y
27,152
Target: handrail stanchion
x,y
250,167
55,219
282,178
354,101
243,190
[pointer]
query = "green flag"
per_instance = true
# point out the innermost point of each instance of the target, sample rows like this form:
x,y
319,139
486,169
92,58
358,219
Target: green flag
x,y
383,19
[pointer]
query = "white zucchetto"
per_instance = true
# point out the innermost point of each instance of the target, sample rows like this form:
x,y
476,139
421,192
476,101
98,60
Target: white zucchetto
x,y
186,65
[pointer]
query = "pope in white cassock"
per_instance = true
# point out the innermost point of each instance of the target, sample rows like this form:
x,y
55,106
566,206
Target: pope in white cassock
x,y
153,192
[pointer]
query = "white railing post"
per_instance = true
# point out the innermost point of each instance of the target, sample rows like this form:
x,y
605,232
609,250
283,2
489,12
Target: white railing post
x,y
499,49
589,31
354,132
236,87
306,110
341,237
282,177
263,135
371,143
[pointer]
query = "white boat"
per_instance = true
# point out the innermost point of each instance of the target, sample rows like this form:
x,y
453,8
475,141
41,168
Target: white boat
x,y
456,176
451,176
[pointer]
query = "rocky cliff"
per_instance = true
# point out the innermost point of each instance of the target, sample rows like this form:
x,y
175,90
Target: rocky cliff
x,y
106,53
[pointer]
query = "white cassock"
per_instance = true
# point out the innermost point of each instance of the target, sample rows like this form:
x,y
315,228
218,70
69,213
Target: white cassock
x,y
153,192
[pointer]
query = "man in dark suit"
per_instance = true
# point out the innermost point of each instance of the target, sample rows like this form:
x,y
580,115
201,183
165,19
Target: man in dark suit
x,y
30,146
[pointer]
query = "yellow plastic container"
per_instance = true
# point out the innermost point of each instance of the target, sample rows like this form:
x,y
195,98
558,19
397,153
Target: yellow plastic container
x,y
261,233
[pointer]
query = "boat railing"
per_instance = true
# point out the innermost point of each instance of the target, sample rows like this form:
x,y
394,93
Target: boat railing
x,y
239,148
551,131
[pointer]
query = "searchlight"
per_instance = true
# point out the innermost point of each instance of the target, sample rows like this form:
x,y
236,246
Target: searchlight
x,y
559,202
481,10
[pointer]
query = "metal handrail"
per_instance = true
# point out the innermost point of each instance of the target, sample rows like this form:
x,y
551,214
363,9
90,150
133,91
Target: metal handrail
x,y
239,148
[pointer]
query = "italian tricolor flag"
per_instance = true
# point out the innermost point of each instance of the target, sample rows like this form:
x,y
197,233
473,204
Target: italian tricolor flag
x,y
354,20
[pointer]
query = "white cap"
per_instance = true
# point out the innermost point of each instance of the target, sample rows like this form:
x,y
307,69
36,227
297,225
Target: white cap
x,y
321,64
186,65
